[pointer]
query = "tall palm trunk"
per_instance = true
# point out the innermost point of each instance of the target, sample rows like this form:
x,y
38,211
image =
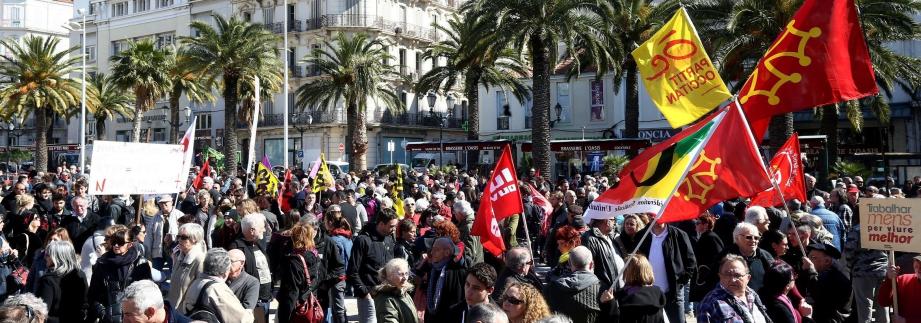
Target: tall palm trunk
x,y
174,114
830,130
41,140
138,116
632,106
100,128
359,136
230,124
471,90
780,130
540,131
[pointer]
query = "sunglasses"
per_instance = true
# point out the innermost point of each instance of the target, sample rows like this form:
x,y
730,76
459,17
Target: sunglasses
x,y
183,237
513,301
752,238
118,243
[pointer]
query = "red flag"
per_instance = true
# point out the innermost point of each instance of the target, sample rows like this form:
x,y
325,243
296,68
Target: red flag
x,y
284,195
501,199
820,58
787,172
205,170
729,166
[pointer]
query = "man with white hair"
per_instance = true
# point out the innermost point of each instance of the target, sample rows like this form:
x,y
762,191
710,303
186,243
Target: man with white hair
x,y
243,285
463,218
757,216
210,291
257,263
23,308
576,294
486,313
746,238
830,220
811,190
143,303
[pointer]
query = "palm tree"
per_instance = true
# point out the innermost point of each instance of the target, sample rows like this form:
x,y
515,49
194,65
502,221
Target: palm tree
x,y
632,23
354,73
230,51
111,100
38,84
883,22
184,81
142,67
536,27
473,57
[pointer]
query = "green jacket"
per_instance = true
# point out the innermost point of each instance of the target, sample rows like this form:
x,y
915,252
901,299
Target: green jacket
x,y
394,305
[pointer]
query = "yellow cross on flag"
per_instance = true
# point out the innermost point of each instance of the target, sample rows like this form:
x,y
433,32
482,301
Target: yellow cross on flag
x,y
324,179
678,74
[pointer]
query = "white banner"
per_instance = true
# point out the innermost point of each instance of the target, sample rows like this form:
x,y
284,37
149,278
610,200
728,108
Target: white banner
x,y
890,224
136,168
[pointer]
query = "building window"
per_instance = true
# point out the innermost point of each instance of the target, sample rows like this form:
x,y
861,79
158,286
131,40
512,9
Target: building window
x,y
503,113
248,16
418,62
166,39
141,5
119,9
15,19
528,117
164,3
268,15
159,134
123,135
387,57
562,98
203,121
92,9
118,46
597,99
90,53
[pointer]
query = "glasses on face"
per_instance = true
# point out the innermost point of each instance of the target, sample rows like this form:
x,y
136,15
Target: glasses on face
x,y
734,275
752,238
513,301
118,243
183,237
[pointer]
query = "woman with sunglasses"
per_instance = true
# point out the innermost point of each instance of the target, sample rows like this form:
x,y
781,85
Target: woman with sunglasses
x,y
118,267
64,276
187,260
524,304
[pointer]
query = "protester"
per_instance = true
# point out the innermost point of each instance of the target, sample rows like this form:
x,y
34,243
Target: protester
x,y
827,282
639,300
300,274
340,234
392,301
830,220
371,250
519,267
251,243
188,259
209,291
909,292
463,218
486,313
117,268
707,249
446,280
63,287
566,238
575,294
673,263
747,237
243,285
525,304
81,225
479,284
778,282
732,300
868,269
23,308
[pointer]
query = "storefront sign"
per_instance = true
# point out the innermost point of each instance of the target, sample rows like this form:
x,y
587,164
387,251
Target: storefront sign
x,y
887,224
657,135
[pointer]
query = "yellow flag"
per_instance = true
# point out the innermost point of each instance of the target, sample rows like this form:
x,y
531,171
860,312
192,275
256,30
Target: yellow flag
x,y
396,190
324,178
266,182
678,74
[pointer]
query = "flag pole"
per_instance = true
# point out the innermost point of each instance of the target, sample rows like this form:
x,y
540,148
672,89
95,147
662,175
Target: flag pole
x,y
668,199
775,184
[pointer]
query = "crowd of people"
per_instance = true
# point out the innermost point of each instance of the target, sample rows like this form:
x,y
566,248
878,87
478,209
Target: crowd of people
x,y
226,251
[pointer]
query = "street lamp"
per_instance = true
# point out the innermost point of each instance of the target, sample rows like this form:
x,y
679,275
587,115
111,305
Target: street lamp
x,y
431,97
559,111
82,13
450,101
441,140
298,119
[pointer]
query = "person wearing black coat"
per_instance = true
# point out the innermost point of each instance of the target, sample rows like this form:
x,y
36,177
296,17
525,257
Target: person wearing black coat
x,y
82,223
707,248
371,250
640,305
827,282
113,272
294,286
64,276
447,276
680,264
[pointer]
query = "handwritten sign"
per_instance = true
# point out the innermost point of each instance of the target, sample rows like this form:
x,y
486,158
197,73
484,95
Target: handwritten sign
x,y
136,168
888,224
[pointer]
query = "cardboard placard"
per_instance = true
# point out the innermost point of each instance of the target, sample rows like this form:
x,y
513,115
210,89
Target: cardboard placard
x,y
136,168
890,224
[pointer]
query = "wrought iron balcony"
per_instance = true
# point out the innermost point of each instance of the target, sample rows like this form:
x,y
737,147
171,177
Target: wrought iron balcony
x,y
433,120
297,119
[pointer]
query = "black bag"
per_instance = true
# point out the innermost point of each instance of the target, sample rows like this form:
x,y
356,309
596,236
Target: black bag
x,y
201,311
126,214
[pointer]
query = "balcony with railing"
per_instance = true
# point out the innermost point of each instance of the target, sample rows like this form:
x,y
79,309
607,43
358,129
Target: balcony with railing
x,y
298,119
426,119
370,21
297,71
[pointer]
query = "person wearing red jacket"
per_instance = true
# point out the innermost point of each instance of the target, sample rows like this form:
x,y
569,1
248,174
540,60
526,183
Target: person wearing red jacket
x,y
909,289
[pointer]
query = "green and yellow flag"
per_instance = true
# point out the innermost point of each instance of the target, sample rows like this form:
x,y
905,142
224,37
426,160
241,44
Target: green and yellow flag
x,y
324,179
396,191
678,74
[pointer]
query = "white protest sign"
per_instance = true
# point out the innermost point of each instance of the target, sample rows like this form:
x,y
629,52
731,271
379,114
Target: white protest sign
x,y
888,224
136,168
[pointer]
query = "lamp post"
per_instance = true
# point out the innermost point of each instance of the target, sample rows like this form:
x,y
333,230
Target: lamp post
x,y
82,13
441,140
187,111
298,118
431,98
285,88
9,144
559,112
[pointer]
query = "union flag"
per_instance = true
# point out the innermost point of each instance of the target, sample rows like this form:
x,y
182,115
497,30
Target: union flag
x,y
501,199
820,58
787,173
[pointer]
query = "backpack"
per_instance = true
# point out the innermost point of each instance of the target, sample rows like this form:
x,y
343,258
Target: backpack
x,y
201,311
126,214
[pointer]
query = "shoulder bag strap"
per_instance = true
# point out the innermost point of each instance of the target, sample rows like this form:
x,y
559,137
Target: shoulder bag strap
x,y
203,294
306,272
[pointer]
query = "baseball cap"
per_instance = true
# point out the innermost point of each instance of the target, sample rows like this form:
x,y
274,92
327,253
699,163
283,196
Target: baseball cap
x,y
825,248
165,198
853,189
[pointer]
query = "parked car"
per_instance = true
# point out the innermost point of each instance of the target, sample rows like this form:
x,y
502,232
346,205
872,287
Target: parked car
x,y
385,169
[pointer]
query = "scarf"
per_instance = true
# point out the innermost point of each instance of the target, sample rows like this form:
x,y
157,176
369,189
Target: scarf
x,y
786,301
436,283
